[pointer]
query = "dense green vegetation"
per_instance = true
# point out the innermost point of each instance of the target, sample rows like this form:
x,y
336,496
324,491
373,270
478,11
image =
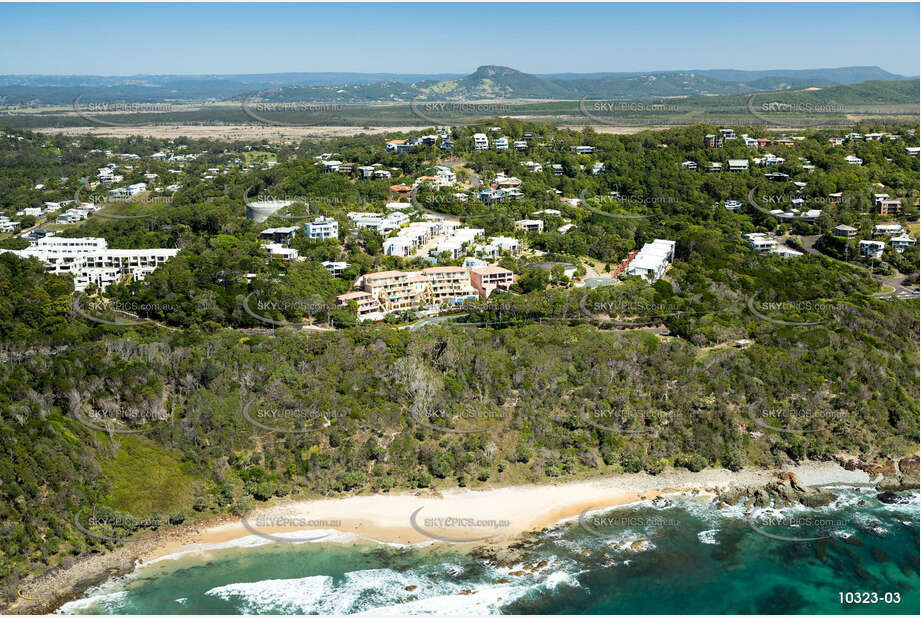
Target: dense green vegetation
x,y
548,376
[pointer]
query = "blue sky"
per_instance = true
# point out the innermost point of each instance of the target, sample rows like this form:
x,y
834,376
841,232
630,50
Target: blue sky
x,y
124,39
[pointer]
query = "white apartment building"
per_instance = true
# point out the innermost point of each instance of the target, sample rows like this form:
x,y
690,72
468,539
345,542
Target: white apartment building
x,y
652,260
505,243
480,141
322,228
502,143
90,260
383,224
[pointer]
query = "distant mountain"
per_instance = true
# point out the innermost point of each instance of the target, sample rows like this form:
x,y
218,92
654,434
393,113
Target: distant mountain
x,y
879,92
843,75
488,82
495,82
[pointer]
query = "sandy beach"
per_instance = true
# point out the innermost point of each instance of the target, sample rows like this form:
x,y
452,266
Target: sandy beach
x,y
487,516
502,514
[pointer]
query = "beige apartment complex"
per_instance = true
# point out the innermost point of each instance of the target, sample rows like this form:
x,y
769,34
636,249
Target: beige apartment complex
x,y
395,290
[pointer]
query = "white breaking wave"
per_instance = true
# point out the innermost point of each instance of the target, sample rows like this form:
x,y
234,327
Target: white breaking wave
x,y
429,590
99,603
708,537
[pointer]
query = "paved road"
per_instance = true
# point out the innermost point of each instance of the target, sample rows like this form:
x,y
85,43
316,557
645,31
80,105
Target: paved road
x,y
435,320
899,291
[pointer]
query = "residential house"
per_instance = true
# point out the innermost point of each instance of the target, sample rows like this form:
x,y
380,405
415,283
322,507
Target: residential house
x,y
761,243
852,160
531,226
738,165
533,166
279,234
871,248
480,141
777,176
712,141
335,268
732,205
399,146
845,231
322,228
280,250
902,242
715,166
689,165
769,160
501,143
887,229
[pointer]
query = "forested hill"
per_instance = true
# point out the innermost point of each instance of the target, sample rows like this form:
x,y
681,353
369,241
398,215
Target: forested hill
x,y
153,422
487,82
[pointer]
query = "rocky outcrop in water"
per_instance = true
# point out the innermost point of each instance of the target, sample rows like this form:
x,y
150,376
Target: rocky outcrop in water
x,y
785,491
896,476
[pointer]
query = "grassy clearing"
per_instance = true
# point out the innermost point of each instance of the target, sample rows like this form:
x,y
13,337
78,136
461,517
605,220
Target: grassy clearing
x,y
147,478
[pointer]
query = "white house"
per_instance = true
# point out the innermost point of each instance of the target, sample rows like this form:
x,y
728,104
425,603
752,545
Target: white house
x,y
502,143
902,242
335,268
852,160
887,229
480,141
279,250
322,228
871,248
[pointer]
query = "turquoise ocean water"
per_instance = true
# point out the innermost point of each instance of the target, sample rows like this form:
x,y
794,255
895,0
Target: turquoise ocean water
x,y
687,557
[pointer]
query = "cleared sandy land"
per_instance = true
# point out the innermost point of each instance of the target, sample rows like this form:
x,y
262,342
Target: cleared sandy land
x,y
224,132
